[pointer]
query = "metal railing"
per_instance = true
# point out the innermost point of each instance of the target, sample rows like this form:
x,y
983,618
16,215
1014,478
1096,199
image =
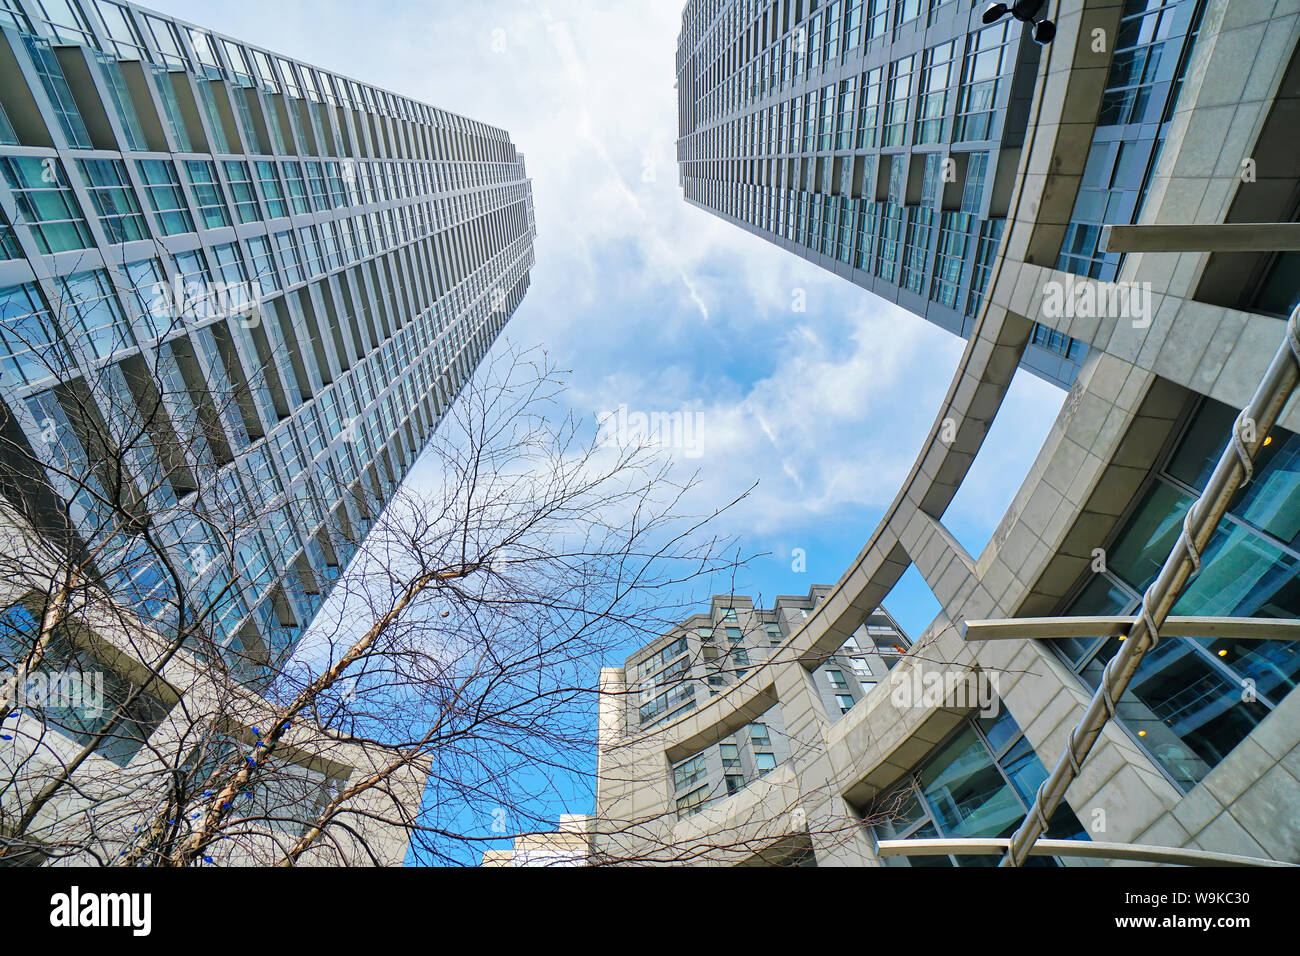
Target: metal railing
x,y
1236,468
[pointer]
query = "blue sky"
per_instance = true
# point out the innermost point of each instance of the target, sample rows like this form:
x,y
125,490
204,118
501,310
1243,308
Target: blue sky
x,y
661,307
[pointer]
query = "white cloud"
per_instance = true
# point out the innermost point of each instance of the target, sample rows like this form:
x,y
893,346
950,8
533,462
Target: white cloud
x,y
651,302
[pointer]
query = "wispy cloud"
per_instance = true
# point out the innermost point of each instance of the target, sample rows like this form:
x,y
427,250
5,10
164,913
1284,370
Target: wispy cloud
x,y
652,303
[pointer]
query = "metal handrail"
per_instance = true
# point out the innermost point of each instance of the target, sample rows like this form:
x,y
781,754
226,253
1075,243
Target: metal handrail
x,y
1083,849
1235,469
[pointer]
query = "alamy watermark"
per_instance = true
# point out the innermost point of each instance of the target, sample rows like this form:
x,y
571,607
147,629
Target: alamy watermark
x,y
75,909
62,690
623,429
1092,299
933,687
199,301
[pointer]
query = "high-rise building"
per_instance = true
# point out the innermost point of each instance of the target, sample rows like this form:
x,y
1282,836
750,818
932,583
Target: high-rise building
x,y
286,274
876,138
1144,115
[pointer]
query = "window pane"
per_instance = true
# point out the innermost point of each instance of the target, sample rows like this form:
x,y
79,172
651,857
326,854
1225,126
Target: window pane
x,y
967,793
1186,713
1101,598
1150,536
898,813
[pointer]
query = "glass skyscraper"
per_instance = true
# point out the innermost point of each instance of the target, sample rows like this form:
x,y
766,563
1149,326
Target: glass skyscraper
x,y
1152,49
876,138
283,275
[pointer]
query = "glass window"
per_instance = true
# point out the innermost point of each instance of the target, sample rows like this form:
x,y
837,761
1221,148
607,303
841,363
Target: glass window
x,y
234,278
114,199
208,100
689,772
989,57
898,102
166,41
284,241
206,54
272,192
122,34
950,258
317,189
241,190
730,755
297,190
46,203
1272,501
899,814
1193,700
905,11
877,18
263,265
936,87
207,193
985,251
966,792
29,354
1183,711
8,243
122,103
916,247
92,698
890,244
1149,536
1279,292
163,188
998,730
152,299
237,62
56,88
963,790
89,300
852,26
172,109
693,802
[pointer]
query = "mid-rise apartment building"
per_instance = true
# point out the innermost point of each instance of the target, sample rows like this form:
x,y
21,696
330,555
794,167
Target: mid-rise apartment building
x,y
709,653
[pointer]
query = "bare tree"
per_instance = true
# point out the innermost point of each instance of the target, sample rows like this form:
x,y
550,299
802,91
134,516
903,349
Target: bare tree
x,y
449,675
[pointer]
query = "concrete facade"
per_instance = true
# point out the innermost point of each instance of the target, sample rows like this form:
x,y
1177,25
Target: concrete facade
x,y
118,795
